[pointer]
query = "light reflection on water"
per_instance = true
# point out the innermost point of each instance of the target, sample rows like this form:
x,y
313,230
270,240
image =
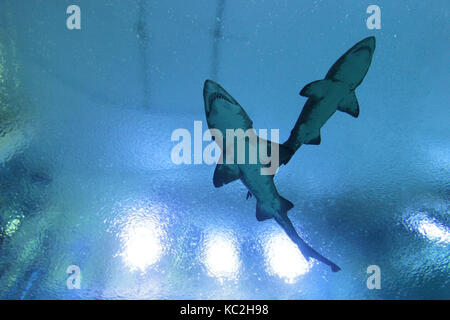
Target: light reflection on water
x,y
439,156
284,259
429,227
141,230
220,255
142,237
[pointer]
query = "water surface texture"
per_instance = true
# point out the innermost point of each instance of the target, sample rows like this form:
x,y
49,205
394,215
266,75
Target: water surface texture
x,y
87,183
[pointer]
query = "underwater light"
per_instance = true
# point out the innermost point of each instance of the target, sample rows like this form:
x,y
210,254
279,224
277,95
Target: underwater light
x,y
142,245
221,256
284,259
430,228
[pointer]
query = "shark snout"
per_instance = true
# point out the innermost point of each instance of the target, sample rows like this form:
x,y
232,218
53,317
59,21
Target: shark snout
x,y
212,90
368,42
210,87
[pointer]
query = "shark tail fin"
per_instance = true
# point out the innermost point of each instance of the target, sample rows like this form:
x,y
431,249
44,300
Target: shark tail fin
x,y
335,268
306,250
286,153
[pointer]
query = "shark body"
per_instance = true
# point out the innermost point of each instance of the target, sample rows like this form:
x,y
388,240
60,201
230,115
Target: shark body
x,y
224,112
335,92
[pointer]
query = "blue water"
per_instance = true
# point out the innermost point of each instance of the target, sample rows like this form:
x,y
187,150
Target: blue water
x,y
86,176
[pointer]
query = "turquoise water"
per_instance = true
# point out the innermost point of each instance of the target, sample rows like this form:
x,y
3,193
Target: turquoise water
x,y
87,180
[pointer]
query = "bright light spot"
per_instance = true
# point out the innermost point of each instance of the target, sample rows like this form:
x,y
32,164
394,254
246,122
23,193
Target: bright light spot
x,y
440,156
143,247
12,226
221,256
430,228
284,259
142,241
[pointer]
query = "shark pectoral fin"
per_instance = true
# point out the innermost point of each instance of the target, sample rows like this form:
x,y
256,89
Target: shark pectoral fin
x,y
225,173
262,213
350,105
316,89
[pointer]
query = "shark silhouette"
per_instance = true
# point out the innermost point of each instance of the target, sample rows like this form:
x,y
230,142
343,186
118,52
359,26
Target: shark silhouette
x,y
335,92
223,112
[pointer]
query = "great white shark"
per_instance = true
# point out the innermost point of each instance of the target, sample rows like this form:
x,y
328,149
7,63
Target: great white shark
x,y
223,112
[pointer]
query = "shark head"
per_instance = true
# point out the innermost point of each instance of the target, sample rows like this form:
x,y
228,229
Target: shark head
x,y
212,93
352,67
222,110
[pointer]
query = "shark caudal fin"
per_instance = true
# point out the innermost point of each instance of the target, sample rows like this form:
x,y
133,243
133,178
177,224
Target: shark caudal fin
x,y
286,153
264,212
305,249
